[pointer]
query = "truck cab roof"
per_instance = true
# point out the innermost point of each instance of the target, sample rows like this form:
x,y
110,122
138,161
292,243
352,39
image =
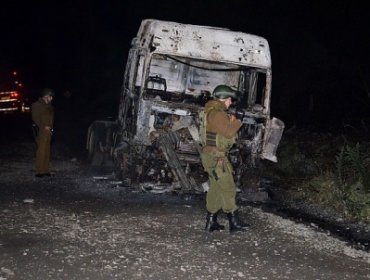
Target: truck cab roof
x,y
195,41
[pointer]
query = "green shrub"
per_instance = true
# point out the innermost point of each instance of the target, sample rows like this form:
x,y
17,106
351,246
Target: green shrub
x,y
333,171
352,180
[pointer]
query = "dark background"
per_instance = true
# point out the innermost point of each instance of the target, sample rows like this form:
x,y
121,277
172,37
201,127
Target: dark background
x,y
320,51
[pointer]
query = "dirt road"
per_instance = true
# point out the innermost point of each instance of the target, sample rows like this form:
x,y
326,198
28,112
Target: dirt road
x,y
73,226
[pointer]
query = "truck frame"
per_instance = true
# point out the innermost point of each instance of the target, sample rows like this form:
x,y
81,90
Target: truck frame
x,y
171,71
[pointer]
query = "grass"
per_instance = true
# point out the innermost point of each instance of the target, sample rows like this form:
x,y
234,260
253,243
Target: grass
x,y
330,170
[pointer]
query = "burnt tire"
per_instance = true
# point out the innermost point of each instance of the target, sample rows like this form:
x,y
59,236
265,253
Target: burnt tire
x,y
96,136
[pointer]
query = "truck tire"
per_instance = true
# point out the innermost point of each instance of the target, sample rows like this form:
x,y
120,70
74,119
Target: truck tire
x,y
95,156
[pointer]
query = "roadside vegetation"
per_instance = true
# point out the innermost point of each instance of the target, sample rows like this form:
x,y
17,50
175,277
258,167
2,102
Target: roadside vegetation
x,y
326,169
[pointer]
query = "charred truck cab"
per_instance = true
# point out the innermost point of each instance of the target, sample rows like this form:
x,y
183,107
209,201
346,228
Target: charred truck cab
x,y
171,71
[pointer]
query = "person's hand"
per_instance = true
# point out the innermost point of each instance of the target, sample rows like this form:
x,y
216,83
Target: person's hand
x,y
232,118
49,129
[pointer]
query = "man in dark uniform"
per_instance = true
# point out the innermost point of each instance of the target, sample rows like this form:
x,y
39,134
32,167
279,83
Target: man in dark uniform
x,y
220,135
43,117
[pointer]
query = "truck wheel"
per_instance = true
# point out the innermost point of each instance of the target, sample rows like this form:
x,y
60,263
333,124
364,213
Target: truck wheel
x,y
95,156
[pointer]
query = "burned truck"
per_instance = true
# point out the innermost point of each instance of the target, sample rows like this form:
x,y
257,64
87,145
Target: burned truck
x,y
171,71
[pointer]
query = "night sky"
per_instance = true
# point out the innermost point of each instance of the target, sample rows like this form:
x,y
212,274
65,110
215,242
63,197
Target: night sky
x,y
320,49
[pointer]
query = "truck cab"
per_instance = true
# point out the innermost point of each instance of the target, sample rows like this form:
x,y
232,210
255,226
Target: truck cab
x,y
171,71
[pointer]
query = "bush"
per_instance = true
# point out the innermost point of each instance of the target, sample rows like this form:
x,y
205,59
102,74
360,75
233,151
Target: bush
x,y
353,180
331,171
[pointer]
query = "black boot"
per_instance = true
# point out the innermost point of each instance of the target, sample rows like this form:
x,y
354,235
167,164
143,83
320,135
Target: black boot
x,y
212,223
235,223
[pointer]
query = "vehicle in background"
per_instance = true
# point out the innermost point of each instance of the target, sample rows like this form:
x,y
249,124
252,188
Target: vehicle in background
x,y
171,71
11,94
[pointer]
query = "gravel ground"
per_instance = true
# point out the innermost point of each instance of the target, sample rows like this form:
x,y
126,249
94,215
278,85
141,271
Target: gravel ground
x,y
72,226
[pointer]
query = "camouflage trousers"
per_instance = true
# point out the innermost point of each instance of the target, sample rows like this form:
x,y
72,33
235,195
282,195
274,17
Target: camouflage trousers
x,y
222,191
43,152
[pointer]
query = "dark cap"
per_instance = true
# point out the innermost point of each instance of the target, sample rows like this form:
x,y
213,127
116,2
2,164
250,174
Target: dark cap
x,y
47,92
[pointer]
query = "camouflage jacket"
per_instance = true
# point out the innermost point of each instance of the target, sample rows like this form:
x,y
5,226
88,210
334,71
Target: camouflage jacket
x,y
221,126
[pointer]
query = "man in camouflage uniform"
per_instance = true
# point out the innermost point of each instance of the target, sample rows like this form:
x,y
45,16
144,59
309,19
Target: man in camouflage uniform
x,y
43,117
221,131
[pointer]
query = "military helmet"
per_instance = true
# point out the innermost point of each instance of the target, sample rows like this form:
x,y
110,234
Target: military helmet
x,y
47,92
223,92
